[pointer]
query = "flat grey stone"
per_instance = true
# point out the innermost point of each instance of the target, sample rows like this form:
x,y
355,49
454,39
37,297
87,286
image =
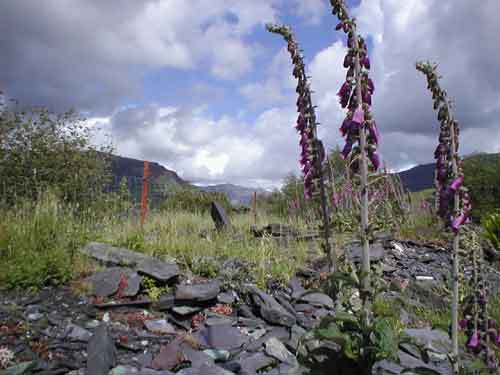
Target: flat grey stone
x,y
255,362
223,337
166,301
219,216
226,298
111,255
105,283
101,352
432,339
160,326
318,299
76,333
198,292
195,357
186,310
270,309
354,252
277,349
157,269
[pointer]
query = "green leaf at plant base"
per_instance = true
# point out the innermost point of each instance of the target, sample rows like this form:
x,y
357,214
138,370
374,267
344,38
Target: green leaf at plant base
x,y
333,333
346,278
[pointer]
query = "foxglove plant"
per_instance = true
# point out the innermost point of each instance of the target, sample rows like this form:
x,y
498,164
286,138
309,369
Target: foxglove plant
x,y
359,127
312,150
453,201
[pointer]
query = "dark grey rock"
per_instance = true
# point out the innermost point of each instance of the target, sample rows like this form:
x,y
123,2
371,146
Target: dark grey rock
x,y
101,352
221,220
76,333
196,357
205,369
280,333
270,309
159,326
407,361
166,301
221,336
226,298
159,270
318,299
111,255
276,349
255,363
197,292
186,310
296,334
106,283
133,284
297,288
432,339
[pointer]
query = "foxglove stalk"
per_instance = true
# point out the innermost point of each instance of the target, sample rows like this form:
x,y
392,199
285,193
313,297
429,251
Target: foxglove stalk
x,y
313,153
452,199
359,128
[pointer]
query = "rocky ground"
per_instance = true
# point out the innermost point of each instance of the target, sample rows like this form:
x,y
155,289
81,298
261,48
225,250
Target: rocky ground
x,y
112,323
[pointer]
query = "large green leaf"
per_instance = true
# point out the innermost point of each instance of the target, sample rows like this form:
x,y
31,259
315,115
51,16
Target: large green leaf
x,y
346,278
347,319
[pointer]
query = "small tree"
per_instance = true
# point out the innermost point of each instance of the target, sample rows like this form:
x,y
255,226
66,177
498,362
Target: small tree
x,y
42,151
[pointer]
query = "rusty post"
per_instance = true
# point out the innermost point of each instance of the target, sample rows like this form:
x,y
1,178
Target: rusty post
x,y
144,193
255,208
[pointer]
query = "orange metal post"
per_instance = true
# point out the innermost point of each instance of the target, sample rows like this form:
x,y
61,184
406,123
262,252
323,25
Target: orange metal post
x,y
144,193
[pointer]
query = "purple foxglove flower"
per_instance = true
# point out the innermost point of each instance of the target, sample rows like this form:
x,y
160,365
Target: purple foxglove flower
x,y
366,62
346,124
458,222
375,159
347,61
350,73
344,100
374,133
307,194
424,205
346,150
462,323
297,71
497,341
442,174
350,43
321,151
301,122
371,86
473,342
345,27
359,116
367,98
457,183
344,89
339,26
304,139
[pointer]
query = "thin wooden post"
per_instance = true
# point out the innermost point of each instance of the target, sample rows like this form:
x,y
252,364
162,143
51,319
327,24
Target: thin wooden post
x,y
144,193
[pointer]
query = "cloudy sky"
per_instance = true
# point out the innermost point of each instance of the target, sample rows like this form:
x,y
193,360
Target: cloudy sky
x,y
201,87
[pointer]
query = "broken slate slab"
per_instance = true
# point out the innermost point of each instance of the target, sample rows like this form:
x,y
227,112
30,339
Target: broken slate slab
x,y
276,349
221,220
157,269
318,300
107,282
197,292
101,352
160,326
270,309
205,369
222,337
169,356
110,255
76,333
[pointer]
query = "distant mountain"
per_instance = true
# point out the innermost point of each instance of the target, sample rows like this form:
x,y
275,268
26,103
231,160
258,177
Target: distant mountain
x,y
238,195
421,177
418,178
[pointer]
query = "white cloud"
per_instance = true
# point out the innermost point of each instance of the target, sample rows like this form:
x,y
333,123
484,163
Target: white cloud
x,y
312,11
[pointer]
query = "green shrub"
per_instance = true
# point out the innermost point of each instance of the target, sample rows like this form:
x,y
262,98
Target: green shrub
x,y
38,243
491,224
193,200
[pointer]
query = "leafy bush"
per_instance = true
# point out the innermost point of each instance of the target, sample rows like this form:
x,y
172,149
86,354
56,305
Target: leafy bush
x,y
491,224
193,200
41,150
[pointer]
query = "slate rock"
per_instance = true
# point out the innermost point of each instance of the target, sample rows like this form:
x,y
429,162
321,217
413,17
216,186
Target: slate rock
x,y
195,357
106,283
254,363
406,361
101,352
270,309
296,334
222,336
76,333
113,255
318,299
197,292
226,298
276,349
296,287
157,269
159,326
221,220
169,356
186,310
434,340
280,333
166,301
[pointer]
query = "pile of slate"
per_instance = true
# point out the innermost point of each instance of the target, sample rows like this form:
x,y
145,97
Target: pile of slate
x,y
198,326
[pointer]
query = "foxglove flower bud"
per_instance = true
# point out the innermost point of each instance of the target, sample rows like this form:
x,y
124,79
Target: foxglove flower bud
x,y
457,183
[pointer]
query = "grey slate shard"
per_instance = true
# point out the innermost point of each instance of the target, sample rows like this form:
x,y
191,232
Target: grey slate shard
x,y
219,216
101,352
198,292
111,255
157,269
270,309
